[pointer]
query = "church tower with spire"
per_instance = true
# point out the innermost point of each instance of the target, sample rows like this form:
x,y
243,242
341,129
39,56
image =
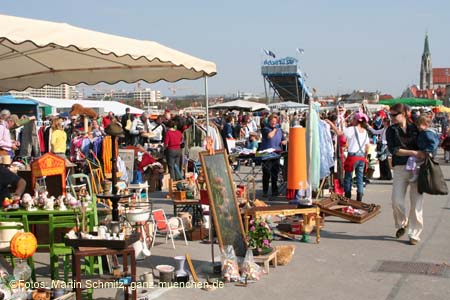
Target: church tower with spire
x,y
426,71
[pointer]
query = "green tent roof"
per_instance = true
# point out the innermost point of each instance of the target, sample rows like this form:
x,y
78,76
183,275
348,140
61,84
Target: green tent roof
x,y
412,102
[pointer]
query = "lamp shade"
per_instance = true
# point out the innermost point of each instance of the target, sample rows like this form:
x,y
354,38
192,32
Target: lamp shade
x,y
297,167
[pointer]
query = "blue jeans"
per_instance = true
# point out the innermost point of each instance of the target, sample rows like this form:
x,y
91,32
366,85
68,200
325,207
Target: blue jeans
x,y
359,171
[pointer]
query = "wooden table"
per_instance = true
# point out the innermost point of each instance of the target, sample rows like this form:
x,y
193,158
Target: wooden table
x,y
80,253
285,210
40,217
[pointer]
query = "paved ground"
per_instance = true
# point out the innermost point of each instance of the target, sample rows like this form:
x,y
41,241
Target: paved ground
x,y
343,266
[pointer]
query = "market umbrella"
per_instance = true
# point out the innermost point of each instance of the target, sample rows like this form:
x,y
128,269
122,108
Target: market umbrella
x,y
412,102
34,53
241,105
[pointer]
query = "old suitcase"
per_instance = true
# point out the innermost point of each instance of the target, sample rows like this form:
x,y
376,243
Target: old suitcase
x,y
354,211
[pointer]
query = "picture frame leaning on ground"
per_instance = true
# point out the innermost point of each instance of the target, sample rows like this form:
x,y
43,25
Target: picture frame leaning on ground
x,y
223,203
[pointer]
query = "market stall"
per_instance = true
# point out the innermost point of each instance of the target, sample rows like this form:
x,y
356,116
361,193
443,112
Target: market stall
x,y
57,53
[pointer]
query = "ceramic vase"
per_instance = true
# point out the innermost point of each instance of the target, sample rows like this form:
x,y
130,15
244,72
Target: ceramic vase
x,y
181,274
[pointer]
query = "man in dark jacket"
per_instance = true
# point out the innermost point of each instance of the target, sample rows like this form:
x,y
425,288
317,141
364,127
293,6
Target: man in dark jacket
x,y
127,119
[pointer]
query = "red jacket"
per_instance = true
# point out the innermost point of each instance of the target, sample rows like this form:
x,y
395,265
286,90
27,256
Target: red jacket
x,y
350,162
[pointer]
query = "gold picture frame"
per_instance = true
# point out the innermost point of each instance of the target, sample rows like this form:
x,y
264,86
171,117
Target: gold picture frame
x,y
191,268
223,203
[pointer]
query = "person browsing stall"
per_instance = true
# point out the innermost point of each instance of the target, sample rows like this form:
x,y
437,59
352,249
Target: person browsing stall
x,y
385,169
172,143
9,178
252,141
7,145
58,138
358,146
272,138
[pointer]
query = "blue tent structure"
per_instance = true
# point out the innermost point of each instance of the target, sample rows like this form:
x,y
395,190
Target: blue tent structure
x,y
19,106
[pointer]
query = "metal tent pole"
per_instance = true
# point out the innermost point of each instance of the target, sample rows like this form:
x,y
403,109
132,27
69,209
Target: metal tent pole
x,y
211,223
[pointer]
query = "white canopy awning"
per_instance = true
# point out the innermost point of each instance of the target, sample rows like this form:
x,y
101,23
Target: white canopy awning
x,y
241,105
106,106
34,53
288,105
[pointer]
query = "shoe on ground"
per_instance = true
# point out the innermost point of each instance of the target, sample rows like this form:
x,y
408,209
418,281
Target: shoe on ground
x,y
413,241
400,232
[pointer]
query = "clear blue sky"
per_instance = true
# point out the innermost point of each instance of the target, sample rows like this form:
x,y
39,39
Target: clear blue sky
x,y
349,44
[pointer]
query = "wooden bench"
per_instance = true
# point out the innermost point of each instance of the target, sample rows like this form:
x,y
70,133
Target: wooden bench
x,y
266,259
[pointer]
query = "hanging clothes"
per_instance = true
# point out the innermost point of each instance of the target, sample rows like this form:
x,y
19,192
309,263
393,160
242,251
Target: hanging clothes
x,y
30,143
326,149
314,155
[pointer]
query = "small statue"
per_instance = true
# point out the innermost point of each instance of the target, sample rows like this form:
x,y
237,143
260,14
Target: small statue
x,y
60,202
28,202
72,201
42,199
49,203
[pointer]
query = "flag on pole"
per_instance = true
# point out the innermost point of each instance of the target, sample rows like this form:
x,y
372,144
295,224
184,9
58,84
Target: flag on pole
x,y
269,53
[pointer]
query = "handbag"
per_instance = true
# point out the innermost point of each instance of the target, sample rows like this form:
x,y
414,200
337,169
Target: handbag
x,y
431,180
128,125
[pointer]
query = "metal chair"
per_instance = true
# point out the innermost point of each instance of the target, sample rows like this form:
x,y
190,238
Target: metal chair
x,y
168,227
85,178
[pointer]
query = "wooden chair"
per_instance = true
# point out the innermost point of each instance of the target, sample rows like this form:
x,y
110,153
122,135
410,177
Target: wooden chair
x,y
58,250
93,213
96,176
180,185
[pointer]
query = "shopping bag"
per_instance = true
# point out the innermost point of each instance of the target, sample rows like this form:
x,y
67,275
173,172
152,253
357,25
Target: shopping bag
x,y
431,180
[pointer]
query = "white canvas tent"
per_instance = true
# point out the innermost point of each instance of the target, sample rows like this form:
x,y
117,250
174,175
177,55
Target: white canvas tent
x,y
287,105
241,105
60,105
34,53
356,106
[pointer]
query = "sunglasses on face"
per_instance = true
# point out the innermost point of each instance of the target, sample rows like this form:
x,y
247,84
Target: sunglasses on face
x,y
394,115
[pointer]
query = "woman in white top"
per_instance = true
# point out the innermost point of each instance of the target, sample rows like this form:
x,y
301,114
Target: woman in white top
x,y
358,144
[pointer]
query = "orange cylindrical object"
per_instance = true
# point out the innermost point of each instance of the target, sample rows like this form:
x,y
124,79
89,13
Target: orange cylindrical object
x,y
297,167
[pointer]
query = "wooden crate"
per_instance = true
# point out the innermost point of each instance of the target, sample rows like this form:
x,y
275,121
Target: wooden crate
x,y
179,195
335,205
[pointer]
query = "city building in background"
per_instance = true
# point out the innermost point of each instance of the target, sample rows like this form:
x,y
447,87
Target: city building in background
x,y
62,91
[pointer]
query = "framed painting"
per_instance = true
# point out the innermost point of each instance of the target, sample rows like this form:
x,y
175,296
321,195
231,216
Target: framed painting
x,y
127,155
223,203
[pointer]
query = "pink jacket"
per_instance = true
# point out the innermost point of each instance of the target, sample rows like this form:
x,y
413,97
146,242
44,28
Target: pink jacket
x,y
5,137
